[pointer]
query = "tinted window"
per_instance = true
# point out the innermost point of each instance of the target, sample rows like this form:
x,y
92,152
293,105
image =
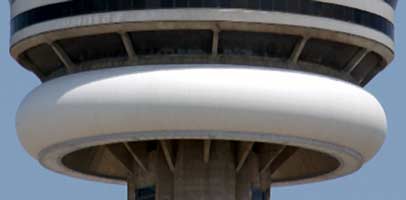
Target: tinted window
x,y
94,47
179,42
43,58
258,194
328,53
256,44
147,193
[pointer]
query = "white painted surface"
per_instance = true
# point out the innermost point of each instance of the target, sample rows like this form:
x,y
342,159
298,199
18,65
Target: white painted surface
x,y
198,98
232,15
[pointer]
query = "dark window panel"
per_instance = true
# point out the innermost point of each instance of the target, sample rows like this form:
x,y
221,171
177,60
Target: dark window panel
x,y
328,53
224,3
87,48
249,4
181,42
294,6
153,4
212,3
256,44
43,58
280,5
195,3
254,4
167,3
181,3
267,5
258,194
147,193
152,146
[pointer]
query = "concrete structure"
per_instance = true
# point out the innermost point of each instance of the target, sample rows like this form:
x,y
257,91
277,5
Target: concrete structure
x,y
202,99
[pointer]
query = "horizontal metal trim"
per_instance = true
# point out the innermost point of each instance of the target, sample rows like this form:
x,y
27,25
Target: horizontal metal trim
x,y
306,7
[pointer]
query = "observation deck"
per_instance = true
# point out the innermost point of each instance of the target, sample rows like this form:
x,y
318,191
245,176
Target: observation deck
x,y
202,99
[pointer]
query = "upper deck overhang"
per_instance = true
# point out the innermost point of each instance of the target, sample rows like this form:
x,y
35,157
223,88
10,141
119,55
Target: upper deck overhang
x,y
357,23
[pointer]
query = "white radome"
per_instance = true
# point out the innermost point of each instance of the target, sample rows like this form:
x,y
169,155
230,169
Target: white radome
x,y
201,102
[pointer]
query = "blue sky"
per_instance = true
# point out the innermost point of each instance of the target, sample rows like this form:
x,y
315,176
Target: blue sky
x,y
21,177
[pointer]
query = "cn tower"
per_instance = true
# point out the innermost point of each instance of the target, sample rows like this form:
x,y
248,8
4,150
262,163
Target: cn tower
x,y
202,99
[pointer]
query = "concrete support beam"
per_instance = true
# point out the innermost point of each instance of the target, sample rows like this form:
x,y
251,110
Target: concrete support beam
x,y
128,46
206,151
122,155
272,159
270,193
98,156
63,56
297,51
281,158
135,157
168,150
131,188
356,60
243,150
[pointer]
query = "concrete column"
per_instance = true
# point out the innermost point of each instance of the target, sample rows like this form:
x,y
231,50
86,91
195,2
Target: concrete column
x,y
197,178
190,172
248,178
221,172
164,181
131,188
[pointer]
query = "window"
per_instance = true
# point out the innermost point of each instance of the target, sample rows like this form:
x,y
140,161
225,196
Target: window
x,y
43,58
256,44
147,193
328,53
87,48
179,42
258,194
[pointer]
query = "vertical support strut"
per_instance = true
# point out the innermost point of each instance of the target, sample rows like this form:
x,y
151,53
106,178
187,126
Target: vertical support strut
x,y
244,149
63,56
283,156
271,160
123,156
206,151
356,60
168,152
297,51
128,46
130,188
270,191
215,42
135,157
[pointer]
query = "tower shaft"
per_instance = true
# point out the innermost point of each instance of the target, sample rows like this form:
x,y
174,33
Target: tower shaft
x,y
208,99
232,171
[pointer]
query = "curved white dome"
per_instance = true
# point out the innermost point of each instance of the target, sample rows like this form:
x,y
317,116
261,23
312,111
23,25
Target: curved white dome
x,y
201,101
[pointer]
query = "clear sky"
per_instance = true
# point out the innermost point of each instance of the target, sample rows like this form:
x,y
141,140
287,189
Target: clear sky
x,y
21,177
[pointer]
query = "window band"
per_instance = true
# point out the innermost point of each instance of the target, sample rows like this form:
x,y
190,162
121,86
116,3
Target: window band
x,y
305,7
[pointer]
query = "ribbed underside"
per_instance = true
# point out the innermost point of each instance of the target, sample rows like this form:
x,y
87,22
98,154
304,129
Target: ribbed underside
x,y
200,169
